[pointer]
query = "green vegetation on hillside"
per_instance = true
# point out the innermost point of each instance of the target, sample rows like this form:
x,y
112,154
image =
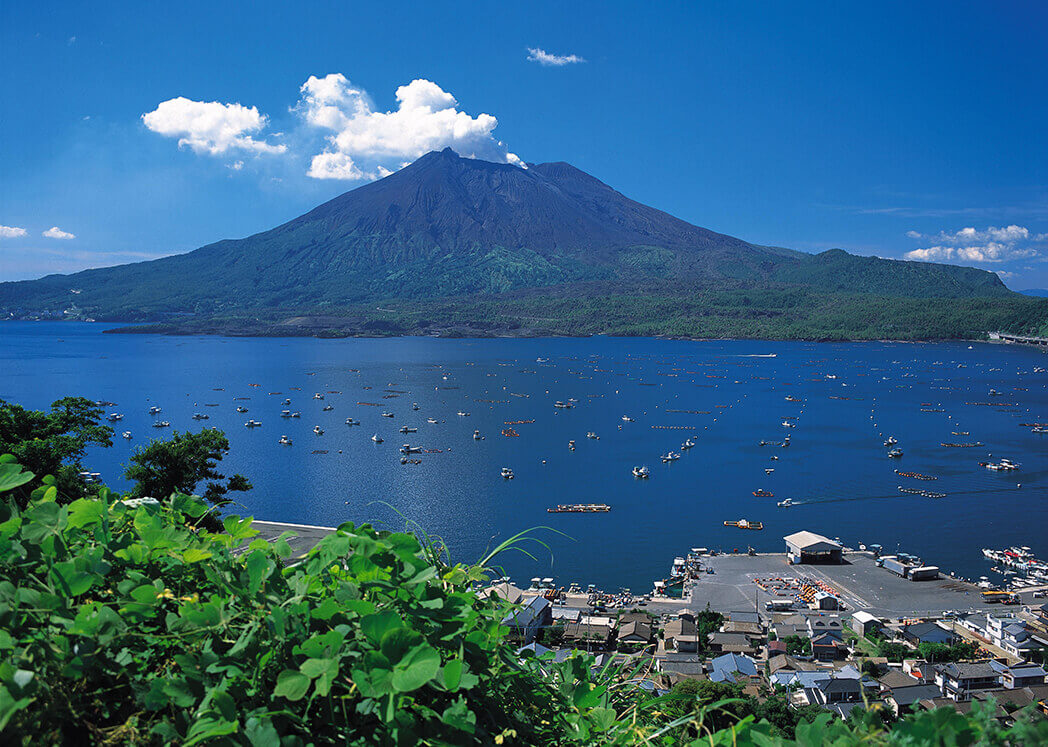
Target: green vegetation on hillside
x,y
776,314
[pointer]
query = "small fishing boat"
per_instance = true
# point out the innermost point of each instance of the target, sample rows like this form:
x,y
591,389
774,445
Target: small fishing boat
x,y
387,414
641,472
507,473
895,453
252,424
284,440
161,424
318,395
114,416
477,436
241,408
463,414
154,410
351,421
768,470
406,429
285,413
571,444
562,405
127,435
593,435
409,449
627,419
579,508
377,438
327,408
318,430
762,493
786,503
431,421
414,405
687,445
200,416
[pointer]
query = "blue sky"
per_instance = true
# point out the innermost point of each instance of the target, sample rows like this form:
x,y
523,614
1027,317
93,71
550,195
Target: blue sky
x,y
891,129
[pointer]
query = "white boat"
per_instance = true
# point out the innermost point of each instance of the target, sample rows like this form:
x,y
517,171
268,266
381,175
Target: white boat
x,y
891,441
671,456
161,424
318,430
785,503
431,421
285,440
477,436
252,424
327,408
200,416
351,421
376,438
788,424
114,416
241,408
408,449
571,444
627,419
593,435
127,435
687,444
406,429
296,414
318,395
285,413
507,473
895,453
154,410
562,405
641,472
387,414
414,405
286,402
768,470
463,414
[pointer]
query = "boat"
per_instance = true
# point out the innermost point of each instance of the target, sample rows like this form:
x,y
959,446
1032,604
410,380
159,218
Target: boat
x,y
200,416
285,413
154,410
744,524
768,470
463,414
627,419
593,435
114,416
507,473
671,456
414,405
563,405
762,493
318,430
318,395
408,449
477,436
162,424
641,472
376,438
895,453
431,421
571,444
406,429
327,408
351,421
286,402
127,435
788,424
687,445
252,424
785,503
241,408
579,508
296,414
285,441
891,441
387,414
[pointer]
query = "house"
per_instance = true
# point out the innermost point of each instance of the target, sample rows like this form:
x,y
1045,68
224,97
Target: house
x,y
732,668
826,646
817,625
776,648
684,667
744,617
1017,676
526,622
808,547
903,699
1012,634
823,600
788,625
752,630
565,615
681,634
505,591
958,680
834,690
731,642
927,632
894,678
635,634
590,633
864,623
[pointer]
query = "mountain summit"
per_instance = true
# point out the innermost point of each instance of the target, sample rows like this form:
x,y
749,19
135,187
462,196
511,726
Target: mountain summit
x,y
450,226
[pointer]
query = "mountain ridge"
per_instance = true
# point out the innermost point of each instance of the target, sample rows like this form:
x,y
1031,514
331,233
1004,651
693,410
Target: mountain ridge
x,y
446,226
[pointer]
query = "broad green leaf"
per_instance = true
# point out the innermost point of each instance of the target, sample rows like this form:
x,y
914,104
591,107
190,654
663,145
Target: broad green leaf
x,y
84,511
417,668
291,685
377,625
12,476
70,579
452,672
195,555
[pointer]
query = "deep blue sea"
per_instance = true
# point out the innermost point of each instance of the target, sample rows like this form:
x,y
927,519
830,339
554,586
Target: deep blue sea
x,y
852,396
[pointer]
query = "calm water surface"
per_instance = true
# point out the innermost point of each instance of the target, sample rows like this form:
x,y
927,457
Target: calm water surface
x,y
852,397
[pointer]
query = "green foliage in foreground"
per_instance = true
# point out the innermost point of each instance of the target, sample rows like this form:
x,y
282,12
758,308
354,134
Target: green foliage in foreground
x,y
132,625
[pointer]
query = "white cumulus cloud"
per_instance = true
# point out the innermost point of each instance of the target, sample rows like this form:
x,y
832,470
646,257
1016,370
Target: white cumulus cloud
x,y
11,232
547,59
210,126
369,144
992,244
54,232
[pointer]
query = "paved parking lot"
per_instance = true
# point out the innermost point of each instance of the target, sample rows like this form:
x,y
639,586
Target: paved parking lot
x,y
860,583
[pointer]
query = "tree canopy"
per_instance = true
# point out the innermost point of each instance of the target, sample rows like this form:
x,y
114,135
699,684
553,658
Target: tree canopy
x,y
181,463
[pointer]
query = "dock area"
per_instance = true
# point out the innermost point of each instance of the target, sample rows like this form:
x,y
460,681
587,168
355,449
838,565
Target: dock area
x,y
858,582
304,539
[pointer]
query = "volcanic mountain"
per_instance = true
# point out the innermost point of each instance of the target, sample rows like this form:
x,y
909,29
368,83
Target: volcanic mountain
x,y
447,226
